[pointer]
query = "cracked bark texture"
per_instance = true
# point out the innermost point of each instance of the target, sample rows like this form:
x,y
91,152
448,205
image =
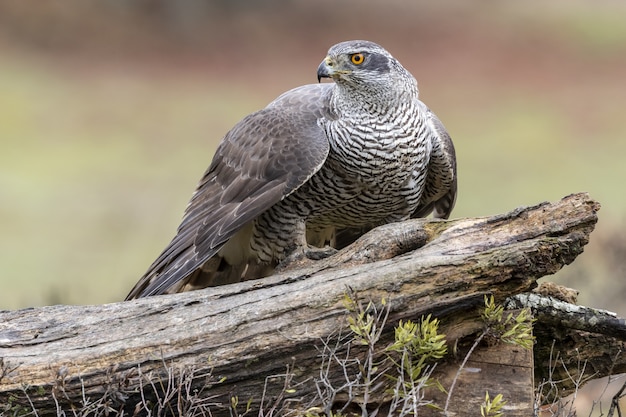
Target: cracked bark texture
x,y
242,333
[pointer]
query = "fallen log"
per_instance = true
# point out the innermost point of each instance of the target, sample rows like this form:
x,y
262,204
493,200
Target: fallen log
x,y
130,356
575,344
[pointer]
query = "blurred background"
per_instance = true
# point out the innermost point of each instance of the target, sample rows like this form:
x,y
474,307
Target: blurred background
x,y
111,111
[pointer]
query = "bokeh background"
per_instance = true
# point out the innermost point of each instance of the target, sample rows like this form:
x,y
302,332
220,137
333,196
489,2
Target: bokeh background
x,y
110,112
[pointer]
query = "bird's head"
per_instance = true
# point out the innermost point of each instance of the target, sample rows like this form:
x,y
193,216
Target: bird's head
x,y
357,63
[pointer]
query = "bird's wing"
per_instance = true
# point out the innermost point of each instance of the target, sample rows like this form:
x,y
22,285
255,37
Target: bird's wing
x,y
441,182
263,159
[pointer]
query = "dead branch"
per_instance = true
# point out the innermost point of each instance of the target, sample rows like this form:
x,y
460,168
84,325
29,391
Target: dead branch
x,y
244,332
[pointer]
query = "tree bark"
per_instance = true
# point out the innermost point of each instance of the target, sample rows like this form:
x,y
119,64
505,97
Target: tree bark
x,y
60,357
574,344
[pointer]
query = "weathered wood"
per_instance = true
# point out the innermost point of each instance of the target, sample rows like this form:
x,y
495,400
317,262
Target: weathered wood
x,y
503,368
244,332
574,343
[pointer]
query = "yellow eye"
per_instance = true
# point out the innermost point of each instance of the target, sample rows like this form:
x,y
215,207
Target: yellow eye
x,y
357,59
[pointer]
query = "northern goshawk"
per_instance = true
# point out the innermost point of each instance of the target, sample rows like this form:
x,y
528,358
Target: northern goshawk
x,y
319,163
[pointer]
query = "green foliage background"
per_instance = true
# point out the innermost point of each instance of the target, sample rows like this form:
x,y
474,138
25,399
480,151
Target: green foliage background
x,y
110,113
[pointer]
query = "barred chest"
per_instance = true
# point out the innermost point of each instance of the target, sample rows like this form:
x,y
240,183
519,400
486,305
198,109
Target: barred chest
x,y
381,154
374,174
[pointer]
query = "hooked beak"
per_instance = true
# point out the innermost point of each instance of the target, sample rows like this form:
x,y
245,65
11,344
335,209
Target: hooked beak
x,y
325,70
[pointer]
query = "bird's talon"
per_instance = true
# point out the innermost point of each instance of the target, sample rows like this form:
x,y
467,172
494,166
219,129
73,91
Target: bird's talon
x,y
315,254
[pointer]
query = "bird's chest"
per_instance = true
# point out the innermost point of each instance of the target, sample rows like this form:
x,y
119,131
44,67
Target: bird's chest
x,y
371,176
377,156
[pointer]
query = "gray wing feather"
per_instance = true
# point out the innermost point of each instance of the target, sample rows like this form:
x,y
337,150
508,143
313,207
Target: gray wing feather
x,y
440,191
263,159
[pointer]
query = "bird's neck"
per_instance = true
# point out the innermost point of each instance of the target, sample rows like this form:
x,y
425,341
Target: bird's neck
x,y
350,101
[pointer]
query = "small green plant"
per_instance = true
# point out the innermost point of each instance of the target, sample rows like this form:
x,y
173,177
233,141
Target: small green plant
x,y
418,345
420,339
508,328
14,409
400,370
492,408
363,322
234,404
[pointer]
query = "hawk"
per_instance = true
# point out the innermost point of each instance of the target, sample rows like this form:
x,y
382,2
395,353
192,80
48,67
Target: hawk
x,y
318,166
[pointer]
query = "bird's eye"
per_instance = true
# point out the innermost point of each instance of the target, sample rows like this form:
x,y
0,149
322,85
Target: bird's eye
x,y
357,59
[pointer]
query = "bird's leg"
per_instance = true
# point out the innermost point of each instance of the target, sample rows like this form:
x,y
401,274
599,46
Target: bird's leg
x,y
301,256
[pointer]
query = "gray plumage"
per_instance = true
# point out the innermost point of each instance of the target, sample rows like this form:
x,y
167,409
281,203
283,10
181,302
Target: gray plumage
x,y
318,166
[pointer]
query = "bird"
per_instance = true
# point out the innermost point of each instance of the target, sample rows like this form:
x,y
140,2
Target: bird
x,y
306,175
